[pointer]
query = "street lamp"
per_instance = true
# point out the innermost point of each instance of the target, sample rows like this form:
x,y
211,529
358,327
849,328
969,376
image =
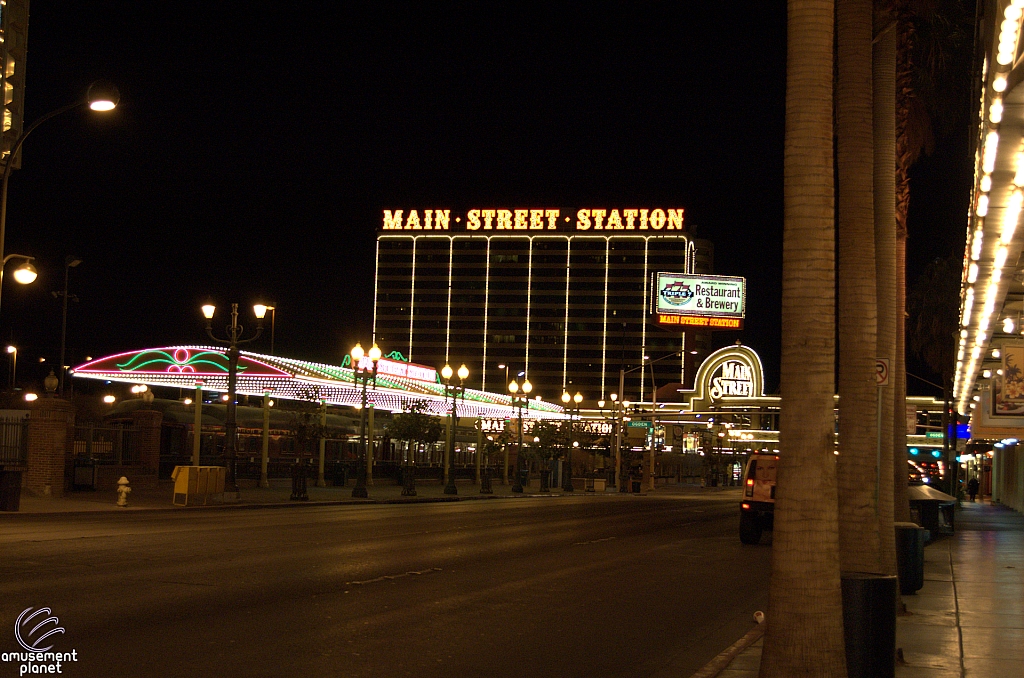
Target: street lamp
x,y
70,261
13,352
520,400
272,307
504,367
454,392
573,410
101,96
234,338
363,371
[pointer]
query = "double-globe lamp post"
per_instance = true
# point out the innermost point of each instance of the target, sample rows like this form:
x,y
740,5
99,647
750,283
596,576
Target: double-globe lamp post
x,y
567,471
521,400
101,96
453,392
232,340
363,371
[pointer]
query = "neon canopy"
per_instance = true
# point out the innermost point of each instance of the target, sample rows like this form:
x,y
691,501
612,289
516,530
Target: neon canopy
x,y
192,366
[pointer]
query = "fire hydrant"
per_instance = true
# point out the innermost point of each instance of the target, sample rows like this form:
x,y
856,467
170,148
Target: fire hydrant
x,y
122,492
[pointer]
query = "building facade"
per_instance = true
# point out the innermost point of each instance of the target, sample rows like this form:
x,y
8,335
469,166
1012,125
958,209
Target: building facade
x,y
564,299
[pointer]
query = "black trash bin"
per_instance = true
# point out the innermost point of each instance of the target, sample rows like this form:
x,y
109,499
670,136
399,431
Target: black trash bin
x,y
869,624
910,540
10,490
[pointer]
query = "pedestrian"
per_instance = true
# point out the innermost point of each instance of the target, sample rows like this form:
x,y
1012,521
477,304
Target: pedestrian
x,y
972,488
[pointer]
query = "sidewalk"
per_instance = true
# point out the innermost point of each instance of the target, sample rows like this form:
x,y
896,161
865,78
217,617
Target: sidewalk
x,y
967,620
383,490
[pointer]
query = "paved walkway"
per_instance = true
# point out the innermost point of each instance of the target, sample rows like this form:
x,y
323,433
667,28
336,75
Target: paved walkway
x,y
967,620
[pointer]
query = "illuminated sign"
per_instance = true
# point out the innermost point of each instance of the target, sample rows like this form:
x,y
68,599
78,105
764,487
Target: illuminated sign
x,y
732,372
732,378
508,221
498,425
712,301
398,369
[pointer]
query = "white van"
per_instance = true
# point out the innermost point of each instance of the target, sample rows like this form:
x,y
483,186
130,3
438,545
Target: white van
x,y
757,509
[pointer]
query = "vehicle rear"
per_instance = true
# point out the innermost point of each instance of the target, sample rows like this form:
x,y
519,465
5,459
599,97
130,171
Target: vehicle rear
x,y
757,508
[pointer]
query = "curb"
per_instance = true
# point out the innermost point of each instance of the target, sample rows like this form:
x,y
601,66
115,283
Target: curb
x,y
725,657
272,505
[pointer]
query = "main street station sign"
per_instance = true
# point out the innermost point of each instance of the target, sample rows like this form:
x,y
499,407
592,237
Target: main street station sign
x,y
687,300
507,221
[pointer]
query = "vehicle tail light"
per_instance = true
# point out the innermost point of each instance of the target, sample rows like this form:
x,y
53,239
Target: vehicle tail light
x,y
745,506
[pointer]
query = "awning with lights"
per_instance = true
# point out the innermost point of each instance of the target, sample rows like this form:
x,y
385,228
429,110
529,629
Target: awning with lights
x,y
397,385
992,293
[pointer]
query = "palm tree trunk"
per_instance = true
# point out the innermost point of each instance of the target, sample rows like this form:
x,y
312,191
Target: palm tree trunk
x,y
889,319
904,38
900,475
805,631
858,437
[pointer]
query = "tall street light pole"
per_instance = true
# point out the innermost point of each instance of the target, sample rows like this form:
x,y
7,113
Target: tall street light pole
x,y
101,96
272,307
13,352
363,370
70,261
574,411
454,392
520,400
234,338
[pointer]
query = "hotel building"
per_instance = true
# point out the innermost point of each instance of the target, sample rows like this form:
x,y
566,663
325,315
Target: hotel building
x,y
562,295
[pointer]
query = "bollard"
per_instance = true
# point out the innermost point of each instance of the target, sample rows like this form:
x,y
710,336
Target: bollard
x,y
122,492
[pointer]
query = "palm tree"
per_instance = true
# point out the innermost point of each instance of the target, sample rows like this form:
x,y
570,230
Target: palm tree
x,y
884,123
931,78
859,526
805,633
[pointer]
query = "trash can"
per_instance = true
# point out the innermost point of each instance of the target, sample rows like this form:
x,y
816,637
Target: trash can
x,y
869,624
84,474
910,540
636,486
10,490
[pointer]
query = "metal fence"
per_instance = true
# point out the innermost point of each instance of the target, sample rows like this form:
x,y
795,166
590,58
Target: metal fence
x,y
108,444
13,441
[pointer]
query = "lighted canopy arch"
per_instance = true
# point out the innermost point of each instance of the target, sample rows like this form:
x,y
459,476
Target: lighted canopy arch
x,y
398,385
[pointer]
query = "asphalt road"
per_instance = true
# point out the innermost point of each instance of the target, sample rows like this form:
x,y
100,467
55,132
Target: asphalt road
x,y
552,586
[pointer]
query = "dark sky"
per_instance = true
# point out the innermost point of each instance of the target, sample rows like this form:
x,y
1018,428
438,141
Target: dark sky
x,y
256,145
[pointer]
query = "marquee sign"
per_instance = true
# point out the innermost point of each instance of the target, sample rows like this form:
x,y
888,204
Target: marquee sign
x,y
394,389
732,378
179,361
712,301
507,221
492,425
731,372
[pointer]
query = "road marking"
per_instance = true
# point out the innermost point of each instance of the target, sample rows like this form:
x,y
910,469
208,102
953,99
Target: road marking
x,y
393,576
592,541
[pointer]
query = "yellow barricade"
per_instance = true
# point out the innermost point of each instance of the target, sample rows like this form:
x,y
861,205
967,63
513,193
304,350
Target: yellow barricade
x,y
192,483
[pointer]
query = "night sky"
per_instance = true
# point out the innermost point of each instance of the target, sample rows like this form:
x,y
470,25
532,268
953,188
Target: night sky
x,y
254,150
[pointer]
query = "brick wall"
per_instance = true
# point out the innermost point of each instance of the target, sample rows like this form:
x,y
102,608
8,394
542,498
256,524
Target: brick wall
x,y
147,426
51,424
